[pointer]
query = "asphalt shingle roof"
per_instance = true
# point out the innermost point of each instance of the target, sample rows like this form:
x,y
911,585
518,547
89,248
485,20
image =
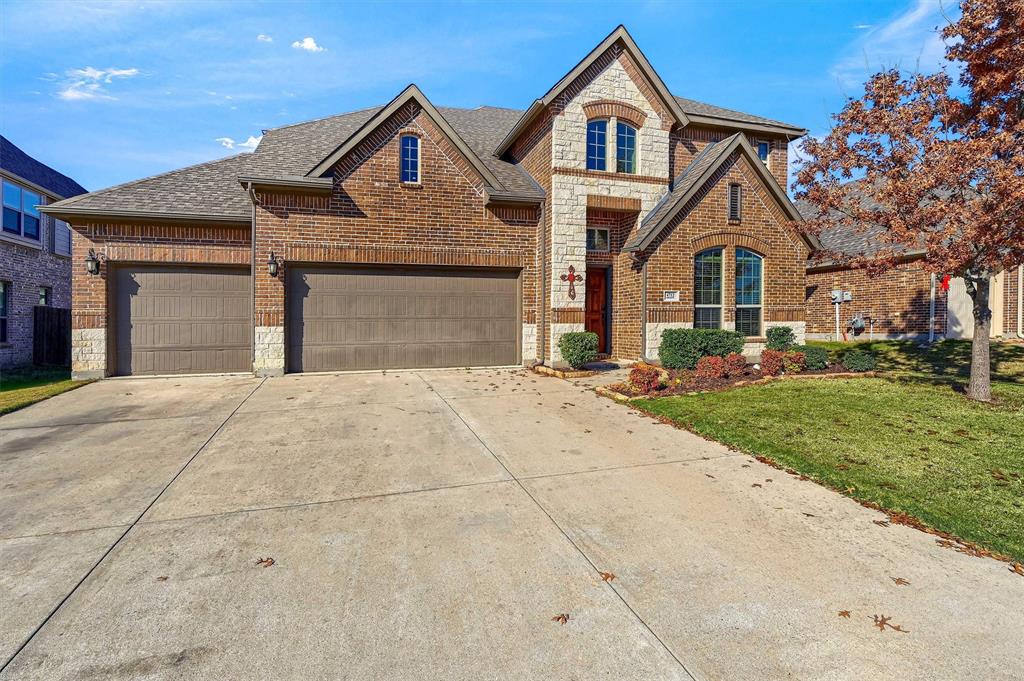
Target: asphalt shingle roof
x,y
695,108
212,189
16,161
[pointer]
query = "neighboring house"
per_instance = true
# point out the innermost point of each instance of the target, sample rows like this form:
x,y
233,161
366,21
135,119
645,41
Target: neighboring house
x,y
906,302
412,236
35,249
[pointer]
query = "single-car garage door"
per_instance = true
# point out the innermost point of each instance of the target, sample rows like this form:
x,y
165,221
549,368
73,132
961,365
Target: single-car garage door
x,y
182,320
343,318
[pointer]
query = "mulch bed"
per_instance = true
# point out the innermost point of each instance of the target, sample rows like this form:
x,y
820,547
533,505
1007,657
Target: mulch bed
x,y
686,383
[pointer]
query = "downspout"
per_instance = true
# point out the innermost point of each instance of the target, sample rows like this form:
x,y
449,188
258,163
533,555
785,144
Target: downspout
x,y
643,312
542,307
252,278
931,313
1020,300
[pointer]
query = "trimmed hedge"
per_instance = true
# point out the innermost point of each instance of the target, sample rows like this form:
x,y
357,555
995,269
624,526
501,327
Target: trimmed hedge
x,y
578,347
781,338
683,348
859,360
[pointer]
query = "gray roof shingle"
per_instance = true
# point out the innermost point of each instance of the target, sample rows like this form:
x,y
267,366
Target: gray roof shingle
x,y
212,189
17,162
695,108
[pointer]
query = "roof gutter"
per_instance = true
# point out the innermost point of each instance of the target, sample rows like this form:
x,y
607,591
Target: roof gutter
x,y
747,126
144,216
513,198
309,184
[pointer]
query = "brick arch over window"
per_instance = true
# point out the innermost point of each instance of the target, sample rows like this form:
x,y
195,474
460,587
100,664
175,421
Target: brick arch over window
x,y
606,108
734,239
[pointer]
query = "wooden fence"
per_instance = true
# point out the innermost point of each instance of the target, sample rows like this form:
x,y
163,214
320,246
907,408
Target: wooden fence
x,y
51,336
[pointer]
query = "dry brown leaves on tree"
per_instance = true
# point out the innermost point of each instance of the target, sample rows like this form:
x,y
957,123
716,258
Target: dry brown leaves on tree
x,y
881,621
561,618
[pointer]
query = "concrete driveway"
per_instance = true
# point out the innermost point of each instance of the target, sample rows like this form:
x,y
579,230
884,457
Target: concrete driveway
x,y
429,525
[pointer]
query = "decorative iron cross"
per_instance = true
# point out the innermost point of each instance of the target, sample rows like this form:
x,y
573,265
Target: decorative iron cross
x,y
572,278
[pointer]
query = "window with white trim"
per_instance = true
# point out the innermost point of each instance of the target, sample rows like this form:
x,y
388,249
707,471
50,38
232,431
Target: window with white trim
x,y
749,286
597,239
764,150
707,289
5,303
597,144
21,217
625,148
410,159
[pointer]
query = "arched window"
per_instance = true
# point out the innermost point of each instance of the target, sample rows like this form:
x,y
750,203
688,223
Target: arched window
x,y
625,148
749,284
707,289
597,145
410,158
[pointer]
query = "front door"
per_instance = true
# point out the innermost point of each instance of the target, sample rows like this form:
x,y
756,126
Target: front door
x,y
597,306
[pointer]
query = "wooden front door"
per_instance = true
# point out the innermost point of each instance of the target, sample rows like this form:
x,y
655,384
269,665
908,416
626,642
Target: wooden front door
x,y
597,306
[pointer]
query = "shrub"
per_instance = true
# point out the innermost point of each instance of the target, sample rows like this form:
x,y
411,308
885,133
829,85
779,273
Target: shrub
x,y
772,362
780,338
710,367
578,348
794,362
645,378
816,357
735,364
859,360
683,348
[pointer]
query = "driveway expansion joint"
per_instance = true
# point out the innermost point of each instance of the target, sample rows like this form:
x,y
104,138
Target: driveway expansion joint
x,y
597,570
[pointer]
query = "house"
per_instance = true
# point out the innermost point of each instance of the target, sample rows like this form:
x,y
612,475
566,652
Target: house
x,y
409,235
906,302
35,249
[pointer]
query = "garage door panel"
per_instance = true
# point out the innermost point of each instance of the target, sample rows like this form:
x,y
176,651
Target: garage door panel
x,y
387,318
182,320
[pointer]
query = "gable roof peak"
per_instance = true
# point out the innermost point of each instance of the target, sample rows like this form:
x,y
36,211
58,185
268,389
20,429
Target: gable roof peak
x,y
619,34
410,93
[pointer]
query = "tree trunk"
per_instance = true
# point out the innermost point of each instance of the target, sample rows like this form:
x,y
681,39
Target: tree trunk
x,y
980,385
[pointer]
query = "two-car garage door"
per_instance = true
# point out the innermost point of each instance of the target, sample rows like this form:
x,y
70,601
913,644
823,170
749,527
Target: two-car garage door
x,y
341,318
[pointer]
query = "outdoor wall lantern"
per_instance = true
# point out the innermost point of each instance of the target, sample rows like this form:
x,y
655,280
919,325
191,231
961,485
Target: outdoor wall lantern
x,y
92,262
272,265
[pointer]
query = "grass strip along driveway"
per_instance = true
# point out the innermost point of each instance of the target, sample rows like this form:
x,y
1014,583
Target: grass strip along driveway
x,y
910,443
20,390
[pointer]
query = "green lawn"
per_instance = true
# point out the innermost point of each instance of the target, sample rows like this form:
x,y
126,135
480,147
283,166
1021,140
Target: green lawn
x,y
910,443
22,389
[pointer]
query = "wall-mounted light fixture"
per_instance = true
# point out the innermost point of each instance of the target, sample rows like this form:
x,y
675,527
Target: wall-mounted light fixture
x,y
272,266
92,262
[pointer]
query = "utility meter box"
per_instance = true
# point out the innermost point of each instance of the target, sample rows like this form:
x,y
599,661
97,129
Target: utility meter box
x,y
847,296
837,296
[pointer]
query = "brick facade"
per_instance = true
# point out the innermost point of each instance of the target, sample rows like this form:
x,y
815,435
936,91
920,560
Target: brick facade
x,y
371,217
25,267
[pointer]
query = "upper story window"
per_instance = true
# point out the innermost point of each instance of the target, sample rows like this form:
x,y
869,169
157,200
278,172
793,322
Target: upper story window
x,y
20,214
764,149
597,239
625,148
735,202
707,289
749,284
410,158
597,145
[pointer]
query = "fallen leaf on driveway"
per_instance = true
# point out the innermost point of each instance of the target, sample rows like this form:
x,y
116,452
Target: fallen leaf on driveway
x,y
1018,569
607,576
162,578
710,476
809,515
881,621
899,581
561,618
265,562
844,613
756,484
881,523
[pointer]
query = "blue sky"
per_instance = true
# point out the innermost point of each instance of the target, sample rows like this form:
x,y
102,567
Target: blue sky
x,y
108,92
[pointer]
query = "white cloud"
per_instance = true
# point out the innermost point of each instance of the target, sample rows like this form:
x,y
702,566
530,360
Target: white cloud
x,y
862,27
88,83
909,41
307,44
248,145
264,38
